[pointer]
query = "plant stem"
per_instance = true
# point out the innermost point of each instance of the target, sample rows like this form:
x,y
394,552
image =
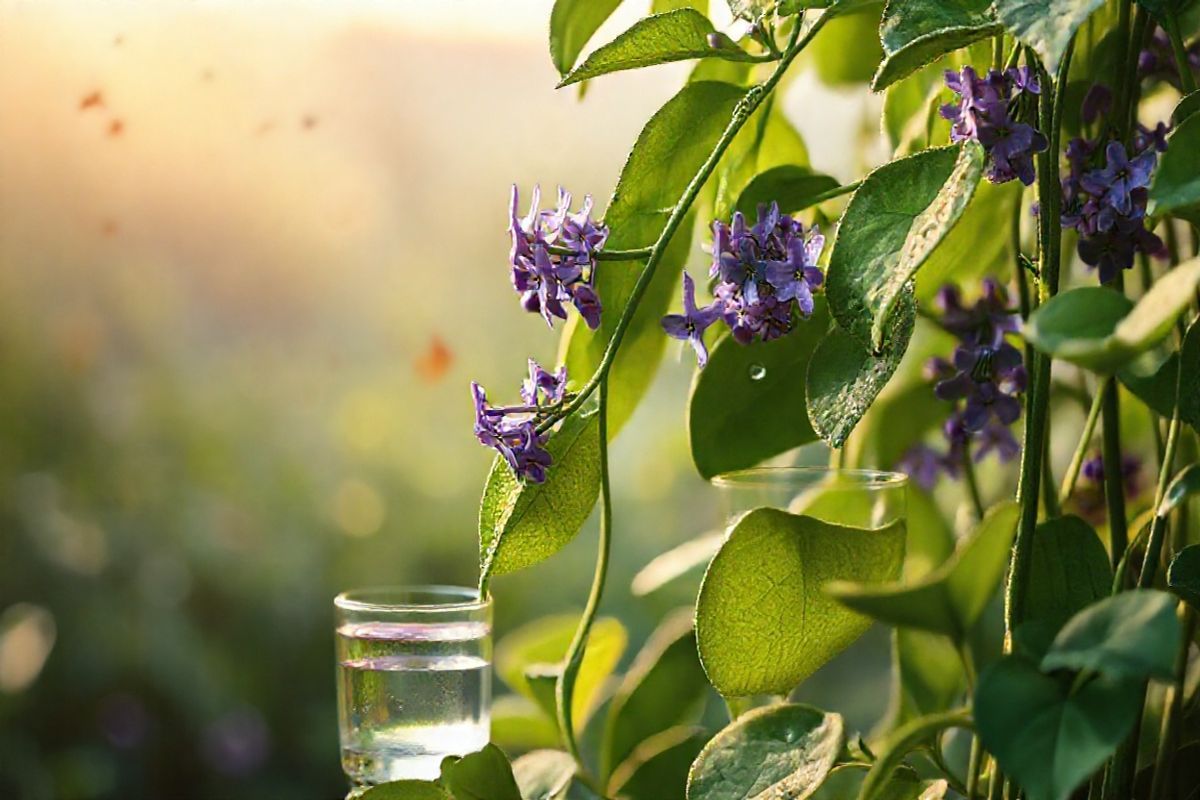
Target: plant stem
x,y
1161,783
972,482
837,191
1050,197
1085,440
742,112
608,255
1114,485
1186,79
565,689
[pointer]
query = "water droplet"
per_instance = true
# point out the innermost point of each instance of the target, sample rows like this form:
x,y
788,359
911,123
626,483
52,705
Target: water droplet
x,y
757,372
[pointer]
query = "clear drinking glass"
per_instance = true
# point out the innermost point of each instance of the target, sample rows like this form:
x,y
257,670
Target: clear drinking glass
x,y
857,497
414,679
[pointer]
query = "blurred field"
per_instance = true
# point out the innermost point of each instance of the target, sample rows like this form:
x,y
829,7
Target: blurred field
x,y
250,257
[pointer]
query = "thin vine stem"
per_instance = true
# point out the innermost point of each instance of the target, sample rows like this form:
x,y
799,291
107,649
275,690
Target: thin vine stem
x,y
1164,762
565,689
972,482
744,110
607,255
1186,79
1085,441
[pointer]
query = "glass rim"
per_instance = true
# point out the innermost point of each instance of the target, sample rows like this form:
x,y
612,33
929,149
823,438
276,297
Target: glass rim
x,y
460,598
760,477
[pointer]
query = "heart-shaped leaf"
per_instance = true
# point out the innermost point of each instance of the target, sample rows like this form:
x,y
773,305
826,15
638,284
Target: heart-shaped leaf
x,y
669,151
572,23
1183,576
1046,737
1187,106
792,187
950,599
539,647
657,769
485,775
784,750
522,523
1185,484
1176,185
1133,634
677,35
748,403
402,790
1100,329
664,687
1068,571
762,622
918,32
844,377
1045,25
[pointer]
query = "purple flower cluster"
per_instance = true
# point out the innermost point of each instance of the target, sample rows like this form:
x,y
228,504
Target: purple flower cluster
x,y
1088,496
553,257
1157,61
983,379
1107,203
513,430
764,273
989,110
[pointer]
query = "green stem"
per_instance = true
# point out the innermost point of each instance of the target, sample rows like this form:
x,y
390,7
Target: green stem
x,y
1114,484
1050,196
565,690
1161,784
972,482
1186,79
837,191
743,111
1085,440
1120,57
608,255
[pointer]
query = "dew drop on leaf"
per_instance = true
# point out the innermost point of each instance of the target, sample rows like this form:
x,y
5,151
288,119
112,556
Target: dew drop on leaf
x,y
757,372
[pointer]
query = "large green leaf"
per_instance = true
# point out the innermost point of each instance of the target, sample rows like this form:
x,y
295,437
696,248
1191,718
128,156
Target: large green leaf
x,y
1048,738
1158,382
917,32
792,187
1185,484
572,23
928,676
668,153
539,647
1068,570
1100,329
748,404
485,775
1176,186
402,790
1045,25
762,622
783,750
522,523
657,769
1187,106
664,687
677,35
844,377
1183,576
873,231
845,783
950,599
1133,634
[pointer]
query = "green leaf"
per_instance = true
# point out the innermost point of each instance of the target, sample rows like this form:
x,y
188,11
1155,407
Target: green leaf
x,y
762,622
783,750
541,645
1183,576
1187,106
928,675
919,32
520,725
402,790
844,377
750,9
572,23
1100,329
845,783
664,687
1133,634
658,767
485,775
549,775
1046,737
950,599
659,6
873,231
906,104
928,230
1045,25
748,404
523,523
689,558
767,140
668,153
1176,185
1187,391
902,741
793,187
1069,570
677,35
1185,484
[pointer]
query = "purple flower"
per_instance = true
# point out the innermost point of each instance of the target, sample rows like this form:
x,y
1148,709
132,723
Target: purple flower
x,y
997,438
923,464
1157,60
543,385
691,324
553,257
989,110
1119,177
1151,138
512,431
1096,103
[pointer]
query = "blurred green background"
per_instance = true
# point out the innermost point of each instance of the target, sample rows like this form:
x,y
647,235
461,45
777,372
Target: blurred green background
x,y
250,258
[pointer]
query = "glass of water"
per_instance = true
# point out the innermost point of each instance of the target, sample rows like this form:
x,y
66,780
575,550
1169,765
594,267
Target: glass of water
x,y
414,679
